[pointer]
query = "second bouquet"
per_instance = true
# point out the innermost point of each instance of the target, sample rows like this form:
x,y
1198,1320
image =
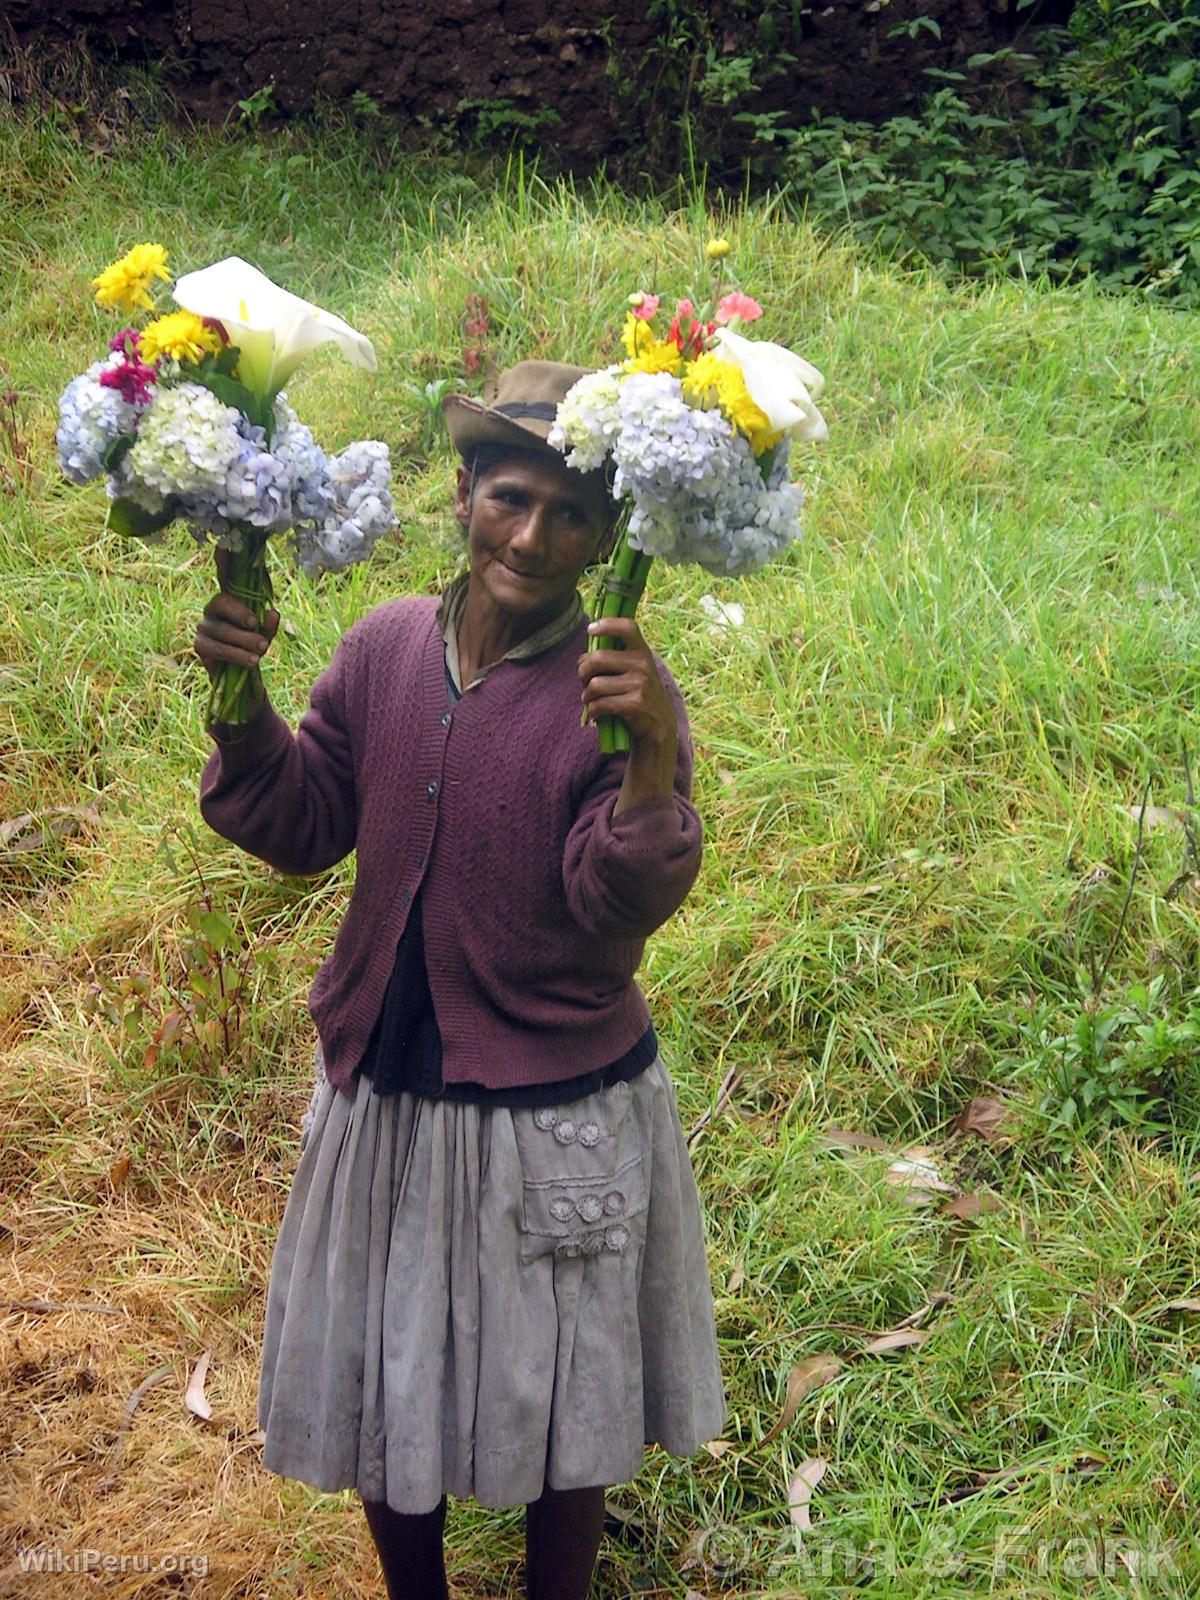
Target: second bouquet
x,y
693,429
187,417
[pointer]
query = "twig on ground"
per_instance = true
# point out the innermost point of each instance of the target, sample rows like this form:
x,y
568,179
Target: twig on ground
x,y
723,1093
118,1445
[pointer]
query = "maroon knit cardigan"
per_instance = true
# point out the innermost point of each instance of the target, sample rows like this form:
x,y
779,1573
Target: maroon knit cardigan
x,y
536,901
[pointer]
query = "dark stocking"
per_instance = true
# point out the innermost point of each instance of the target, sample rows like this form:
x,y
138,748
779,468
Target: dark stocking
x,y
410,1550
562,1536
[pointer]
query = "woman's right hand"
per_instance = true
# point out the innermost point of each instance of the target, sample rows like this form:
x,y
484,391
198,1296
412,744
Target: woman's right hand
x,y
228,631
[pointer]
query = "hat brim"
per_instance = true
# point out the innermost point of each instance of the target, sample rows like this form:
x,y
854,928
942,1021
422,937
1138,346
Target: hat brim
x,y
470,424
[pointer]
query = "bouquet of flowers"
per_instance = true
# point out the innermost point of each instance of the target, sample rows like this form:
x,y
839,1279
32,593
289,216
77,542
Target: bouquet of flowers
x,y
694,428
188,418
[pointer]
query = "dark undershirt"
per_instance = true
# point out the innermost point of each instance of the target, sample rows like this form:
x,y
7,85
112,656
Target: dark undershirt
x,y
404,1051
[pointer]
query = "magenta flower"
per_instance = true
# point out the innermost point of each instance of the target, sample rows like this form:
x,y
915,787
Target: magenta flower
x,y
131,375
737,304
125,343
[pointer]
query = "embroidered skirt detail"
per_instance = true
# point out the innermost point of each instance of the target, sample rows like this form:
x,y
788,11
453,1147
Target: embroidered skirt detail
x,y
475,1300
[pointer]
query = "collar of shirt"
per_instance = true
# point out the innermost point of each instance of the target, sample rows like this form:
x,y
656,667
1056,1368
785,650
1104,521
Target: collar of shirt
x,y
449,613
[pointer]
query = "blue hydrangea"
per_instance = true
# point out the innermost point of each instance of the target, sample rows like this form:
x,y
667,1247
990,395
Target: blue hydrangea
x,y
307,465
255,487
362,510
90,417
206,462
695,489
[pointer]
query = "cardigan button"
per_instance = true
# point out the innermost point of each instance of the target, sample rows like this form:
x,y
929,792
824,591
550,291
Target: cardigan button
x,y
431,788
445,719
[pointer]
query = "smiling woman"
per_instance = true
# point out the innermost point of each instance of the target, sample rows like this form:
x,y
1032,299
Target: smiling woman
x,y
490,1277
532,527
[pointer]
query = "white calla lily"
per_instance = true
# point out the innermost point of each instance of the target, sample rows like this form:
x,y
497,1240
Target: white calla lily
x,y
273,328
781,383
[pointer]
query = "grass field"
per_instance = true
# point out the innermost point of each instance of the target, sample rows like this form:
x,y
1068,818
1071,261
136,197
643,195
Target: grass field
x,y
916,764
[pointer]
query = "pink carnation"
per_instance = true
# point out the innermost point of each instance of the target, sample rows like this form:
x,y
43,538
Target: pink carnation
x,y
646,307
737,304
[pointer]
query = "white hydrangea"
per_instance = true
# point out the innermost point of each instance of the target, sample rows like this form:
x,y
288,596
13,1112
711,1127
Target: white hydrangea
x,y
187,441
588,419
124,485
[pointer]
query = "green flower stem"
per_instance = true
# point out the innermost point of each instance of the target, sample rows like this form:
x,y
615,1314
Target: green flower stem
x,y
630,568
234,689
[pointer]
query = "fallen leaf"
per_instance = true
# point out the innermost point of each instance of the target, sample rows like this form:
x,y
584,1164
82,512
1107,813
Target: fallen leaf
x,y
804,1377
917,1172
1178,1305
965,1207
692,1553
900,1340
718,1447
119,1171
627,1524
724,614
193,1397
1005,1478
1155,816
984,1115
843,1139
803,1481
18,835
736,1278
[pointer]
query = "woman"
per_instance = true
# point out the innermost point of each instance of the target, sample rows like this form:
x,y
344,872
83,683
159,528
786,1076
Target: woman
x,y
490,1275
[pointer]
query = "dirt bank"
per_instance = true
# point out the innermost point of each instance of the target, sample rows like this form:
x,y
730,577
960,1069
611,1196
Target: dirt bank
x,y
600,79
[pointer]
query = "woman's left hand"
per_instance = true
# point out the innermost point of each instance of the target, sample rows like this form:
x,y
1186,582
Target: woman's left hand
x,y
625,683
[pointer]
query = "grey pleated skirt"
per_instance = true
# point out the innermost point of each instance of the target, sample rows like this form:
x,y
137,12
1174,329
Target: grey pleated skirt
x,y
477,1300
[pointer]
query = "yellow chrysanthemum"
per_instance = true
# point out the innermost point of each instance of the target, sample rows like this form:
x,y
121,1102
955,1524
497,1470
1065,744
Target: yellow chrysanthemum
x,y
709,381
181,334
657,355
646,353
123,285
716,248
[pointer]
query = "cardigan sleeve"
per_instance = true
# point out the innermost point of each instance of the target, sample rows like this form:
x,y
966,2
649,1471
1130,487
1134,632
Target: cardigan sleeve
x,y
288,798
625,875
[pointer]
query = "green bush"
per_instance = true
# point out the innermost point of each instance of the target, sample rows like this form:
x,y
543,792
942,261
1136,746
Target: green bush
x,y
1081,158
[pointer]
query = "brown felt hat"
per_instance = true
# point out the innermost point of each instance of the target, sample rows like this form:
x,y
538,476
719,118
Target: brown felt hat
x,y
527,398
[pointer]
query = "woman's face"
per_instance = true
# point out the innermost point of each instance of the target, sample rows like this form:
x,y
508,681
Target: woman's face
x,y
532,524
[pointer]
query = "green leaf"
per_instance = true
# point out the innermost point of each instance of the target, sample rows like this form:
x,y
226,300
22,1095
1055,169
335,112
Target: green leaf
x,y
117,449
126,518
217,929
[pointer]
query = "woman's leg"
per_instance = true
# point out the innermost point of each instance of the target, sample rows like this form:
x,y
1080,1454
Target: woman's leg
x,y
562,1536
410,1550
